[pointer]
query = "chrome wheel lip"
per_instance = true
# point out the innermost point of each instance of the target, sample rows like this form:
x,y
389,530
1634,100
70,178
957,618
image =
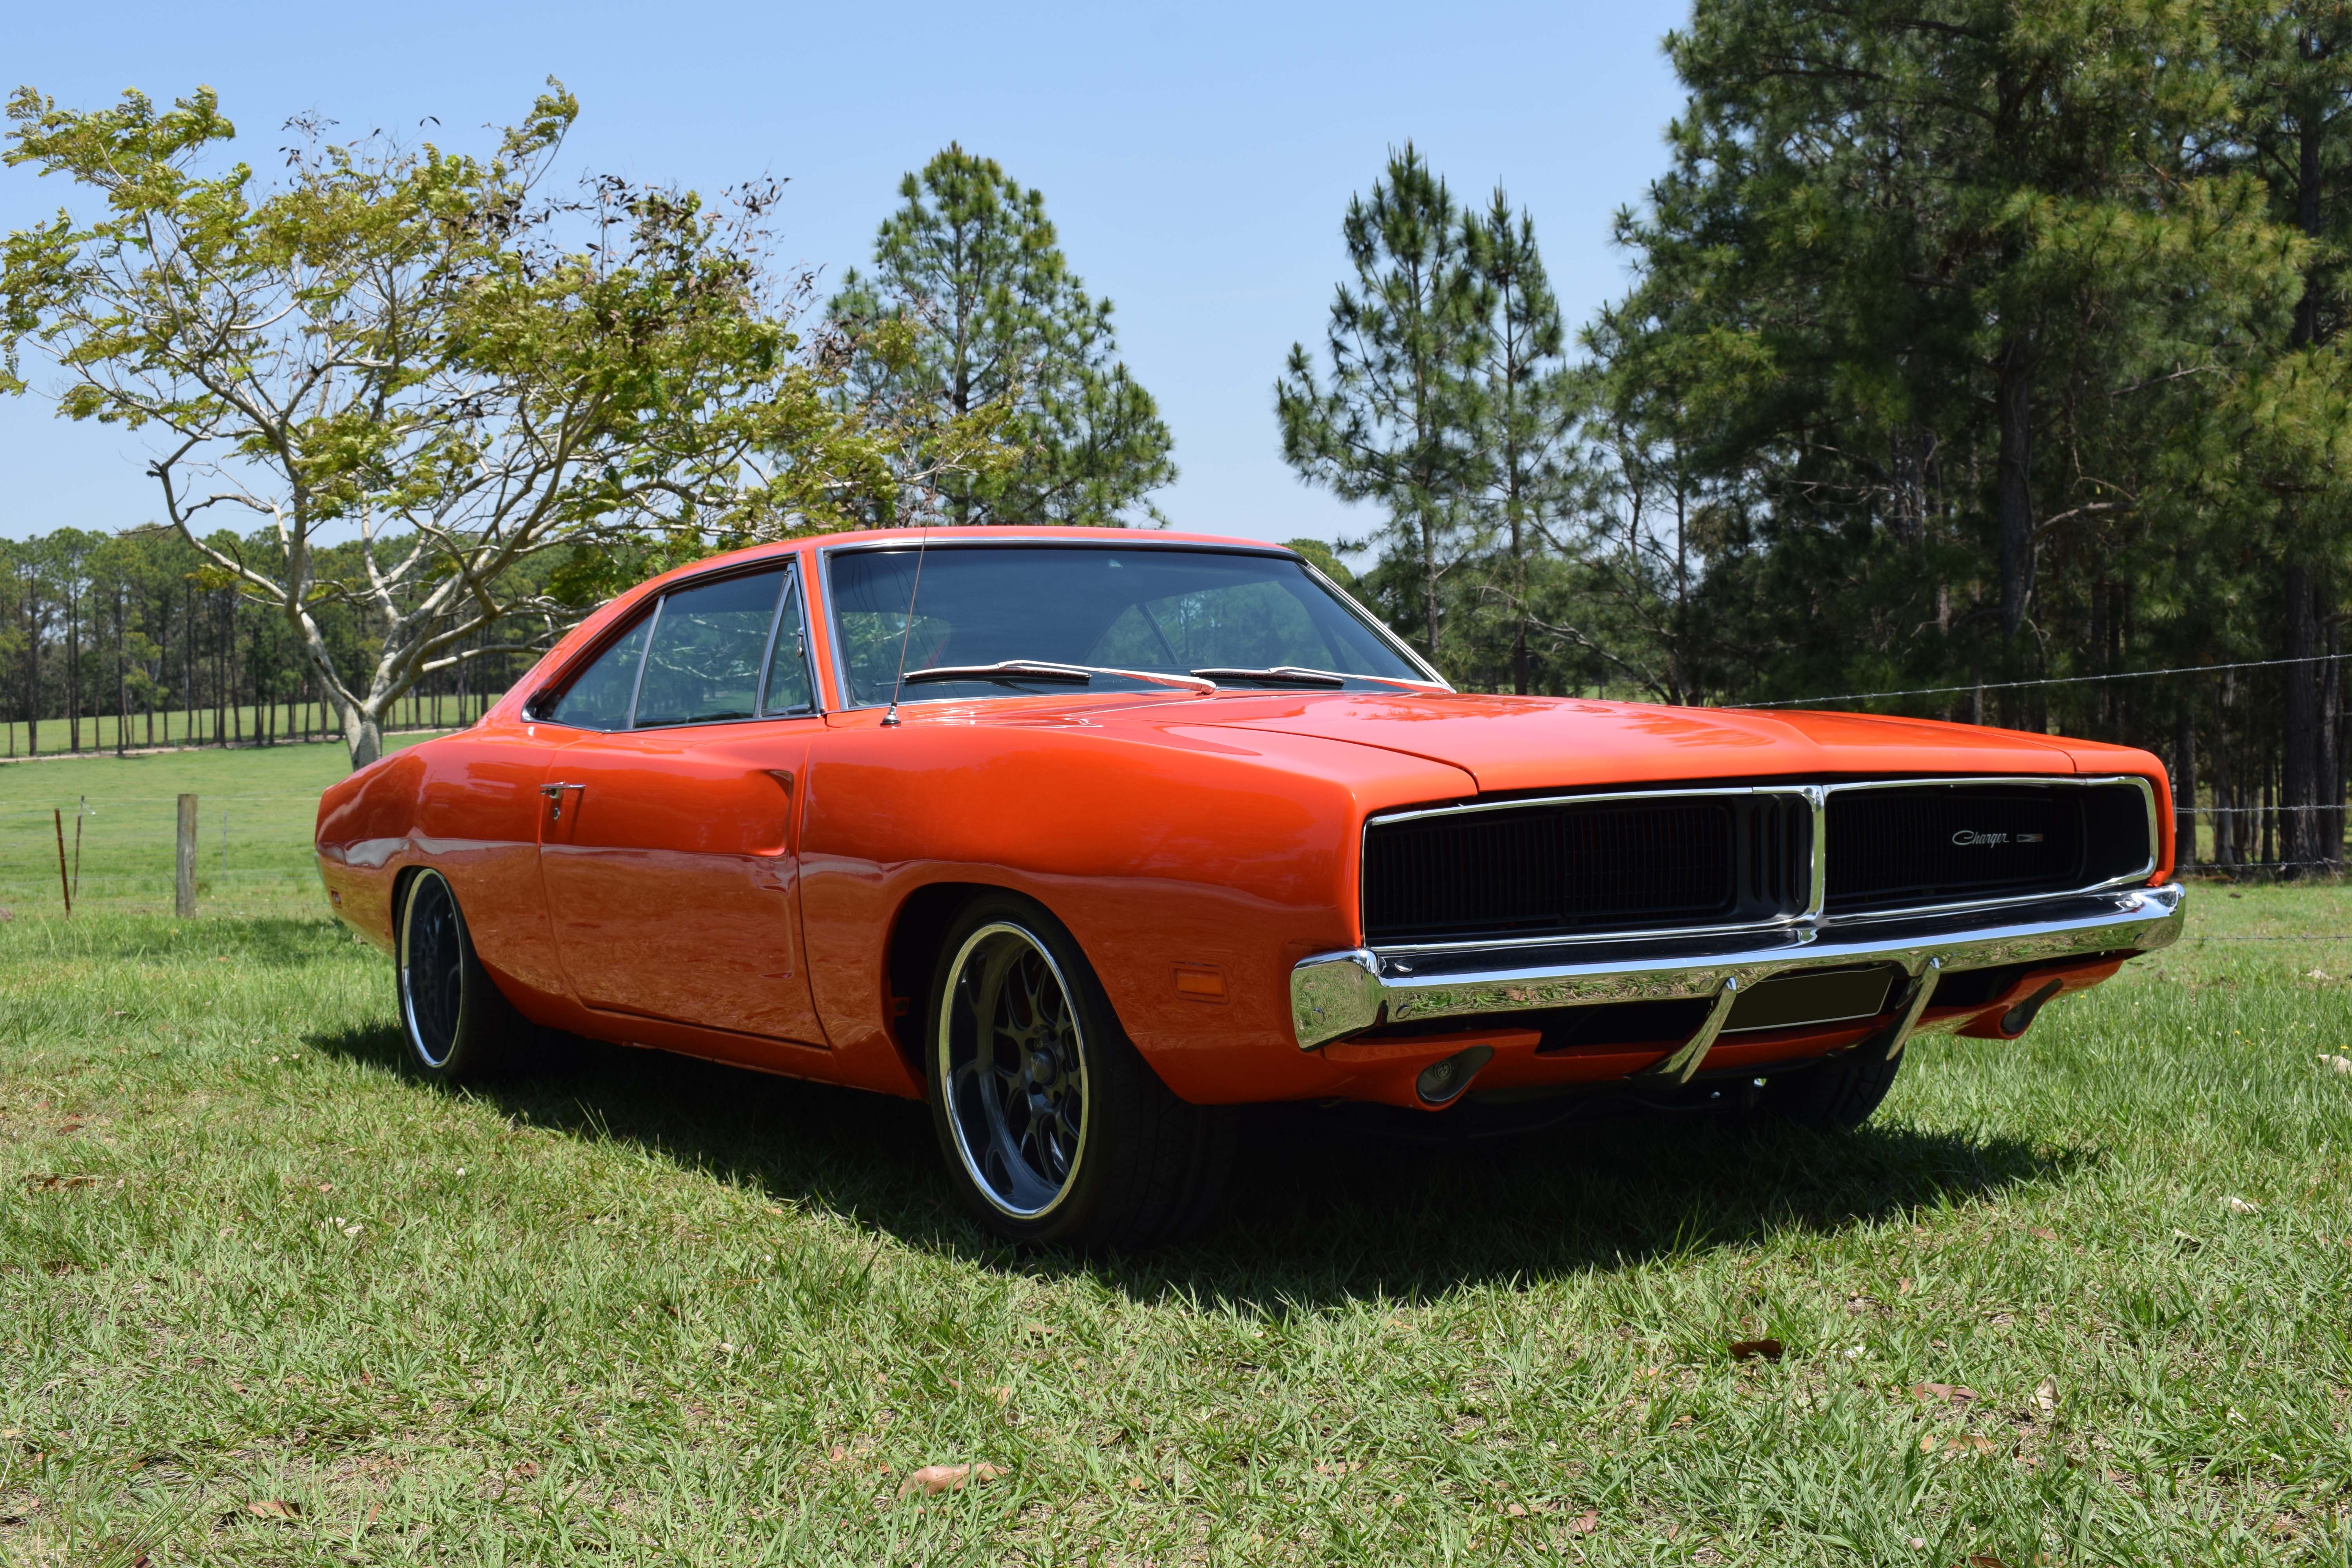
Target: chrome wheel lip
x,y
943,1047
409,1024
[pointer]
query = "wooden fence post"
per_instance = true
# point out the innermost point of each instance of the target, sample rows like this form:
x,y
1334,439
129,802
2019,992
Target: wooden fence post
x,y
64,886
183,887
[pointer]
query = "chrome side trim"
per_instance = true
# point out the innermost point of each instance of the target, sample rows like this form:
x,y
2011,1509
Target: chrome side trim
x,y
1340,994
1683,1065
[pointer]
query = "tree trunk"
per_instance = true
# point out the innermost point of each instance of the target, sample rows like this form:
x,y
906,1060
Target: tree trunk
x,y
2013,482
2299,721
73,668
2331,740
2184,788
1429,580
2225,795
363,732
121,684
31,672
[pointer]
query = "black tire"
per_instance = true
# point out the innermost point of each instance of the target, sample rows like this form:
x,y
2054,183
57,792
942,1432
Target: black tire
x,y
1834,1096
1062,1135
454,1023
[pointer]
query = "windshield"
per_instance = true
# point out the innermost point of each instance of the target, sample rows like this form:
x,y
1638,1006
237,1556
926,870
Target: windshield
x,y
1171,610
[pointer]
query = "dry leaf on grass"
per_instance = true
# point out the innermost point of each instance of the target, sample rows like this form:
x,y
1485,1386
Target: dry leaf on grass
x,y
1746,1350
1515,1509
2045,1395
274,1508
2239,1205
2340,1064
933,1480
1956,1394
1586,1522
2041,1231
1968,1442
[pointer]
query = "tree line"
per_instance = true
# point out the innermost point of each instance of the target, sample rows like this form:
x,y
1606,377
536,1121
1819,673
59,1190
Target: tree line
x,y
117,641
1972,344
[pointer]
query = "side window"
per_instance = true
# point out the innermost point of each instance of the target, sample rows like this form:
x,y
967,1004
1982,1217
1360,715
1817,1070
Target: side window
x,y
599,700
787,688
703,664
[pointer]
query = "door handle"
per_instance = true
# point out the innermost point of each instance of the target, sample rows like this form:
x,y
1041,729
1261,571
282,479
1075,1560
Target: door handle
x,y
554,793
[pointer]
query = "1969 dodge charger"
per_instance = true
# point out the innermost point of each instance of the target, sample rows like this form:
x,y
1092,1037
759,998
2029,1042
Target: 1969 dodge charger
x,y
1087,837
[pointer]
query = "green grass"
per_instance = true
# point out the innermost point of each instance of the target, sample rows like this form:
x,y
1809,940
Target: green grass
x,y
642,1309
258,804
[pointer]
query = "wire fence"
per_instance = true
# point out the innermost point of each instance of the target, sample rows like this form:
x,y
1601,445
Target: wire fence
x,y
2050,680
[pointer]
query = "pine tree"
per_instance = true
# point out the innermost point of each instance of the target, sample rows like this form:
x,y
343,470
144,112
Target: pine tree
x,y
971,310
1397,419
2291,65
1525,400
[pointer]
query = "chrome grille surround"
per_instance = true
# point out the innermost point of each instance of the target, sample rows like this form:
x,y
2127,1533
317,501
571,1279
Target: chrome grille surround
x,y
1335,994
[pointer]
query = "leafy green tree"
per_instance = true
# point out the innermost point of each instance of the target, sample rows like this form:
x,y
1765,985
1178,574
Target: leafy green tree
x,y
416,347
1396,418
975,342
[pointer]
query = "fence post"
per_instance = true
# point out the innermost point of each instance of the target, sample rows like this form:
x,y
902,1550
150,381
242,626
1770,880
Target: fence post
x,y
184,883
58,816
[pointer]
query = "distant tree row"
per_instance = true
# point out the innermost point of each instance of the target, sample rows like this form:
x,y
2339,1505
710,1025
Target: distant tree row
x,y
1970,342
141,630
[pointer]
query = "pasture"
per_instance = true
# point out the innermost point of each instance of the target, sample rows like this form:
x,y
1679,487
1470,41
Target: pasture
x,y
2078,1300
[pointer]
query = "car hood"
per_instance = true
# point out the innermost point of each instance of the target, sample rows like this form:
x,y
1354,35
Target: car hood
x,y
1510,743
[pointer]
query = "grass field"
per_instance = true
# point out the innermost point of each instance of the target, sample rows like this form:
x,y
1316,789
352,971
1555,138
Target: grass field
x,y
266,1299
255,809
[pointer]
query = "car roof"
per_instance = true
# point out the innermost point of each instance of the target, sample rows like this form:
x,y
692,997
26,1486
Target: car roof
x,y
996,535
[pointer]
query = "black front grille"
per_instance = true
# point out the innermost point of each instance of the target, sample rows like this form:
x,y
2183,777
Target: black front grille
x,y
1934,844
1571,867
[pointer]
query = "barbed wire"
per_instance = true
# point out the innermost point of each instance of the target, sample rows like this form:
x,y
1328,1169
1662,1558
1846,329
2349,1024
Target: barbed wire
x,y
2046,680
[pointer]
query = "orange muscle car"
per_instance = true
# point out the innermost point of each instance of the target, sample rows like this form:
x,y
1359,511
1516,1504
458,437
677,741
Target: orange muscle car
x,y
1087,837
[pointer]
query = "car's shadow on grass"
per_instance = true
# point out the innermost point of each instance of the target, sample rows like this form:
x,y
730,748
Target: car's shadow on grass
x,y
1320,1211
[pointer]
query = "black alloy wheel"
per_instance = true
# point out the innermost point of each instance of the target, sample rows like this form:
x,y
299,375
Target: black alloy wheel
x,y
453,1019
1053,1127
1012,1057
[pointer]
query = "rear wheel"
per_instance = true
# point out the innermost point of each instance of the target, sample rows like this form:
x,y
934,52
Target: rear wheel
x,y
454,1021
1053,1127
1838,1095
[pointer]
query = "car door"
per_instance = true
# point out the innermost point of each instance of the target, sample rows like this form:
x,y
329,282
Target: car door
x,y
666,844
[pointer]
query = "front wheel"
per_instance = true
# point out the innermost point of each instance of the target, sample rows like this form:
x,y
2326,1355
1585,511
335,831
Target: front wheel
x,y
1054,1129
453,1019
1837,1095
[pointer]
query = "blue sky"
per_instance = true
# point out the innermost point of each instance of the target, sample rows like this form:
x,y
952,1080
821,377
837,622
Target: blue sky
x,y
1195,158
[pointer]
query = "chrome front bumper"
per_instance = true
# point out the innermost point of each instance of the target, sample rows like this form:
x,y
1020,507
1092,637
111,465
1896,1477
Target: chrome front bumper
x,y
1338,994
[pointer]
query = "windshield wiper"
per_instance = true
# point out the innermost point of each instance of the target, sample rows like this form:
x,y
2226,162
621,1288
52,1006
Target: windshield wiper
x,y
1013,670
1298,675
1282,675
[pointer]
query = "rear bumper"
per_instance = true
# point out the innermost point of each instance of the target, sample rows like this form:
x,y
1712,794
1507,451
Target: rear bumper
x,y
1339,993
